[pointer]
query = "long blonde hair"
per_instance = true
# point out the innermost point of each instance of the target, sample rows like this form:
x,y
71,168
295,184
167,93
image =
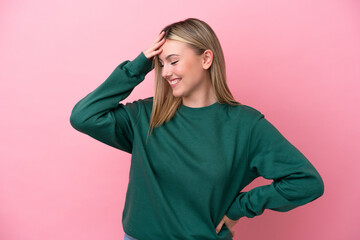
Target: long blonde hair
x,y
199,36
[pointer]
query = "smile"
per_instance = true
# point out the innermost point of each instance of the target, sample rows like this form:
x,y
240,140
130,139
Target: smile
x,y
175,82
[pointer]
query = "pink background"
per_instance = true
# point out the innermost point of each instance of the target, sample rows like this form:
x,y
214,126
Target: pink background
x,y
296,61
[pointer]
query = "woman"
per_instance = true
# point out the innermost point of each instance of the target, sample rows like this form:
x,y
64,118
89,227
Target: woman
x,y
194,147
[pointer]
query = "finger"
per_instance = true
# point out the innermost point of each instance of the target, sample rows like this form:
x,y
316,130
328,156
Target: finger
x,y
159,36
218,228
154,53
156,46
159,43
158,51
232,232
229,225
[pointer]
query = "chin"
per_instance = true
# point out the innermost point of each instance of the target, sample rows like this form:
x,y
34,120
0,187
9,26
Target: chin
x,y
177,93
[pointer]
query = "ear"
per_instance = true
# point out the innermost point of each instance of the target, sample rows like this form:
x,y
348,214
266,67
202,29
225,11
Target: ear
x,y
207,58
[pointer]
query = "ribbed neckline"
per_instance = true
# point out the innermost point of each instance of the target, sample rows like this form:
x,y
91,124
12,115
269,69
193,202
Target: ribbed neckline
x,y
200,110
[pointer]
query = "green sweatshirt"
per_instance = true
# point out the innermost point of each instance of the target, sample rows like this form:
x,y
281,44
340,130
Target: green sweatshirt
x,y
193,168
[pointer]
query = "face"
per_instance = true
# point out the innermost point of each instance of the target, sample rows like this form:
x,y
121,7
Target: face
x,y
182,69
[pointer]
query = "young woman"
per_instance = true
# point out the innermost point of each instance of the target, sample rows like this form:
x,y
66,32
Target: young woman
x,y
194,147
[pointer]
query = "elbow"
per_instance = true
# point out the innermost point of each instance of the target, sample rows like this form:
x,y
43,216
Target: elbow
x,y
319,186
313,185
76,121
301,190
315,188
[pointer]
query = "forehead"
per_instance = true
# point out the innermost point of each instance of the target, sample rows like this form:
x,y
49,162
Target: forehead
x,y
173,47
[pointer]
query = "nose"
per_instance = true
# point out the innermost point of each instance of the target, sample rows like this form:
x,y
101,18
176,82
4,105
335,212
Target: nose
x,y
166,72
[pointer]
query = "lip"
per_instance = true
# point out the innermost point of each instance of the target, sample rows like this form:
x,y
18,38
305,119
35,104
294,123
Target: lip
x,y
173,79
176,83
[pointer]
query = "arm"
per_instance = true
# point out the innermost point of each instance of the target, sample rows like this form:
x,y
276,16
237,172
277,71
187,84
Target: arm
x,y
296,181
100,115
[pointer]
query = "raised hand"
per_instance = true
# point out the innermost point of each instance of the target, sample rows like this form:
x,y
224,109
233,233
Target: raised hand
x,y
154,48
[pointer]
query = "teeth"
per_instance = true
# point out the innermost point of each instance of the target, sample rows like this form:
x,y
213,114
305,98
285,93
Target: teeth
x,y
174,82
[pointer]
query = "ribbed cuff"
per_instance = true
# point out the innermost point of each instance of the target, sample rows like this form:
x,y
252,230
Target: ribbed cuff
x,y
141,64
234,212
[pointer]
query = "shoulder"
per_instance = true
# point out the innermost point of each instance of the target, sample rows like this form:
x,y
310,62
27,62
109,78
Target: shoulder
x,y
142,101
144,104
137,106
249,110
148,100
148,103
245,112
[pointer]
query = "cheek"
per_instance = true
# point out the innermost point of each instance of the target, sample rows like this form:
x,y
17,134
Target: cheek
x,y
191,70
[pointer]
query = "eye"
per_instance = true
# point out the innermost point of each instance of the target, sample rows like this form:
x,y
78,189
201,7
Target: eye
x,y
171,63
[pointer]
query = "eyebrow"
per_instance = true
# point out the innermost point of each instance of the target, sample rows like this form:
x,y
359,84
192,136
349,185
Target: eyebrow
x,y
170,55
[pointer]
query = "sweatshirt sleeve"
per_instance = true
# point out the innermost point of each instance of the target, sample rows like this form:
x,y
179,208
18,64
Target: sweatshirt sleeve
x,y
100,115
295,180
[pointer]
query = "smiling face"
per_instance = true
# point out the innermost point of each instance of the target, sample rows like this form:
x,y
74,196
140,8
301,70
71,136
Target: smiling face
x,y
183,70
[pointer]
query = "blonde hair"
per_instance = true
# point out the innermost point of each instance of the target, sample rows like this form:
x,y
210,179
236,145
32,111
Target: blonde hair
x,y
199,36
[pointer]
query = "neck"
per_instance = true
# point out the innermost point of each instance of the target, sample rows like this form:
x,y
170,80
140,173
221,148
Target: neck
x,y
202,98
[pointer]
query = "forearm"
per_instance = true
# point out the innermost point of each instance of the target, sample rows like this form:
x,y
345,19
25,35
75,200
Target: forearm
x,y
115,88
